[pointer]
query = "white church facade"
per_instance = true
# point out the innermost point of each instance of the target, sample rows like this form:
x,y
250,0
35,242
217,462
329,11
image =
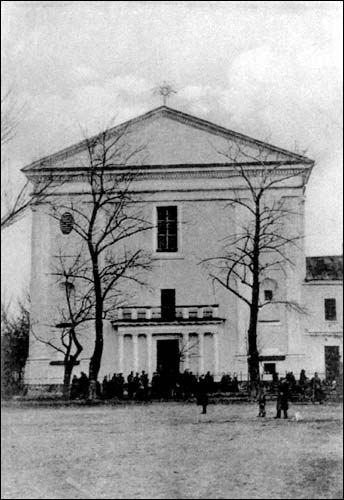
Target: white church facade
x,y
181,319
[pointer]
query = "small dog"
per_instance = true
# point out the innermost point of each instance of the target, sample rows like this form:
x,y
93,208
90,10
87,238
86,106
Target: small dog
x,y
297,417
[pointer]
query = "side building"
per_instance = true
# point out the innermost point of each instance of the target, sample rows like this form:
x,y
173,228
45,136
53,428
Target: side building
x,y
323,322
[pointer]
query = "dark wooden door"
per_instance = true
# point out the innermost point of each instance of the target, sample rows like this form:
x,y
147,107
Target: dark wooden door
x,y
332,362
168,304
168,356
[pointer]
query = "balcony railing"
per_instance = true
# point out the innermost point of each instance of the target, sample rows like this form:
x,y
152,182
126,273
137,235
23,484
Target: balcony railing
x,y
180,313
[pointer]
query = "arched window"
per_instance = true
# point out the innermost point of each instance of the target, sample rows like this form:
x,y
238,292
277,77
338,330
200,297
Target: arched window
x,y
268,289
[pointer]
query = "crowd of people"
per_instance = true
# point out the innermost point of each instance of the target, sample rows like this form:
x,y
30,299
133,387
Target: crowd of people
x,y
138,386
229,383
186,385
288,387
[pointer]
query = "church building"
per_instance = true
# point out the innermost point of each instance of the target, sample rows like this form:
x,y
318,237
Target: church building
x,y
186,177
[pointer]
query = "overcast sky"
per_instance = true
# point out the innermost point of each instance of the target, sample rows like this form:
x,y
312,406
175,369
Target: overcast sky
x,y
271,70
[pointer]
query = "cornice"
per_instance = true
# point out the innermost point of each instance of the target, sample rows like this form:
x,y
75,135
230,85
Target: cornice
x,y
131,323
169,172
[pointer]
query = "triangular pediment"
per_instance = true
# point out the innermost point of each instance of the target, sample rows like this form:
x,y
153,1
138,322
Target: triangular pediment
x,y
165,136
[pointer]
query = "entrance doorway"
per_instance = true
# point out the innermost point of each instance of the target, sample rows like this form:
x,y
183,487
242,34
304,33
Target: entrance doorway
x,y
168,356
332,362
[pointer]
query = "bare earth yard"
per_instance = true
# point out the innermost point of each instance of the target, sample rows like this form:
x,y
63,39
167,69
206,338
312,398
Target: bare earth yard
x,y
170,451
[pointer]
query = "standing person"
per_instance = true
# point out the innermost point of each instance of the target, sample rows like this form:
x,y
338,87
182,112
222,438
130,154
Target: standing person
x,y
130,380
282,399
303,383
202,396
144,383
74,393
303,377
83,386
120,379
223,382
105,388
235,383
209,382
317,391
92,391
137,385
156,385
261,398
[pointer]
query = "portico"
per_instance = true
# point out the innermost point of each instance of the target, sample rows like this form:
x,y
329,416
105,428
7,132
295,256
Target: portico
x,y
141,336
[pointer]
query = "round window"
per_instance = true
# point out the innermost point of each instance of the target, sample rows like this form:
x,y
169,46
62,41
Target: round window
x,y
66,223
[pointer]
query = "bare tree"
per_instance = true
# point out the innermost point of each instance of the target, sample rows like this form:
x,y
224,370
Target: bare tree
x,y
14,347
11,114
72,314
104,219
15,202
188,350
263,242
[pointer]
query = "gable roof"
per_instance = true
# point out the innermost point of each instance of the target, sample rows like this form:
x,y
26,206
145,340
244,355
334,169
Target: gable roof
x,y
181,118
324,268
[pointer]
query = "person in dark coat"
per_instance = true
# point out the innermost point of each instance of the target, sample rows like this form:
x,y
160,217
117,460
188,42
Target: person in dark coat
x,y
130,380
144,382
137,386
282,399
303,377
303,381
224,382
156,392
105,388
235,383
317,390
120,387
209,382
202,395
83,386
74,393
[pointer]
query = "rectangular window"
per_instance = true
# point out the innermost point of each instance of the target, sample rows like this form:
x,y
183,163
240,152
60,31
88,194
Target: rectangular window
x,y
168,304
270,368
268,295
330,309
167,229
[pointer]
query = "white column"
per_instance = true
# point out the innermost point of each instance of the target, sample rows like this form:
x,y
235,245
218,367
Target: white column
x,y
149,355
136,352
216,354
120,352
186,351
201,353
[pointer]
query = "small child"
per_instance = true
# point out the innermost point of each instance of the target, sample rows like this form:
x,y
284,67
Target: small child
x,y
261,398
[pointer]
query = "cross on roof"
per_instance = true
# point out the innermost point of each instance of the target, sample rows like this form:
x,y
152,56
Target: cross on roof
x,y
165,90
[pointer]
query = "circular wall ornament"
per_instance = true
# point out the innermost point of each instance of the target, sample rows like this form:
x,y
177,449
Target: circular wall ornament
x,y
66,223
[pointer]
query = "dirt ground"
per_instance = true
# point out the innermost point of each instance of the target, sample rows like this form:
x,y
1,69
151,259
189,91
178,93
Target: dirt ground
x,y
170,451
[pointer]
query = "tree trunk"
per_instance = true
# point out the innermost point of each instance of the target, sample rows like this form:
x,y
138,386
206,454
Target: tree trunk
x,y
97,352
68,368
253,354
98,344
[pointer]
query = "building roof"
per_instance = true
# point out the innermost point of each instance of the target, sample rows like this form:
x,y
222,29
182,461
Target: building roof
x,y
137,125
324,268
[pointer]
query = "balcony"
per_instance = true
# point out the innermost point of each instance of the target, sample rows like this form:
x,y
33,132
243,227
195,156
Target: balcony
x,y
157,315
